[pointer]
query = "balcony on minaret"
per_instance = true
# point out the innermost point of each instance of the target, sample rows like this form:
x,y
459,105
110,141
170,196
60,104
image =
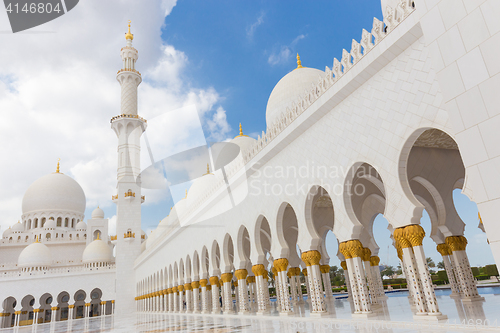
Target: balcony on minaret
x,y
129,234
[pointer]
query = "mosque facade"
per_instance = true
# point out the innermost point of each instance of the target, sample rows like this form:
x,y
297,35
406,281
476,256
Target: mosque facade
x,y
404,118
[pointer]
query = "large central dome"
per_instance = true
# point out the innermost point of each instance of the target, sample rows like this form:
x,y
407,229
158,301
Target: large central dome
x,y
54,192
288,90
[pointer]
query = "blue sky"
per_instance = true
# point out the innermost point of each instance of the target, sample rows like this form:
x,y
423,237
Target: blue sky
x,y
242,49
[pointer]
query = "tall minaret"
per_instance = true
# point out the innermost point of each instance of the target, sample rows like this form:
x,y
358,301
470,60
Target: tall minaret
x,y
129,127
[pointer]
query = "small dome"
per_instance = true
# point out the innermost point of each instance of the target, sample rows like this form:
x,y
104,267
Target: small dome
x,y
81,226
54,192
178,209
35,255
289,89
244,142
7,232
50,224
97,251
18,227
98,213
199,188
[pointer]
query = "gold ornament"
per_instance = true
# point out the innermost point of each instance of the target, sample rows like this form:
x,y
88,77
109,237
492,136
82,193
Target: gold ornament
x,y
415,234
374,261
241,274
281,264
401,239
259,270
226,277
456,243
343,264
203,282
214,280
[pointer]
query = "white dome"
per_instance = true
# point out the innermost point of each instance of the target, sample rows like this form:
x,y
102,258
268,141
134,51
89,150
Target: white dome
x,y
97,251
81,226
199,188
244,142
288,90
53,192
35,255
18,227
178,209
50,224
98,213
7,232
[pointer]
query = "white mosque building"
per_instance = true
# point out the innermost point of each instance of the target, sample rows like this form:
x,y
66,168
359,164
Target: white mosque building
x,y
408,115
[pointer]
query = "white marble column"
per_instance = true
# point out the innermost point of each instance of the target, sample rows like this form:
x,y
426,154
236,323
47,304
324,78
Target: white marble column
x,y
181,297
204,296
189,297
175,299
369,277
377,278
446,252
468,288
227,295
293,285
327,282
415,234
214,282
312,259
261,283
196,296
347,281
241,275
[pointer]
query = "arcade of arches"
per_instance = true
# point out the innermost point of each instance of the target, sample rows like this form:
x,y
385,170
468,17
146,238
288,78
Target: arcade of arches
x,y
205,280
50,308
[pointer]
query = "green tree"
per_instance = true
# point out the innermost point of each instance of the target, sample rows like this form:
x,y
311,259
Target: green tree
x,y
399,271
440,265
388,271
430,262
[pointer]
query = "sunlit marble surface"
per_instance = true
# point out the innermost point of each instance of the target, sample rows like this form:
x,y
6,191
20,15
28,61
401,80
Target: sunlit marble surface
x,y
394,316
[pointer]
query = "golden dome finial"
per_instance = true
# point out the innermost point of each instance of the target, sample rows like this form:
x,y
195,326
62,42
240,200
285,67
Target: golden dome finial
x,y
480,219
186,194
299,63
128,35
57,169
36,239
98,236
241,132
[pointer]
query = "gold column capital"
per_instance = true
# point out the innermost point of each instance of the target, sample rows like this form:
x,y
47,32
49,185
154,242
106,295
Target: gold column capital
x,y
311,258
294,271
415,234
174,289
214,280
241,274
187,286
71,306
203,282
259,270
281,264
367,253
180,288
235,283
274,270
400,238
251,279
226,277
209,287
374,260
324,268
343,264
443,249
304,271
196,284
343,249
355,248
87,304
103,302
456,243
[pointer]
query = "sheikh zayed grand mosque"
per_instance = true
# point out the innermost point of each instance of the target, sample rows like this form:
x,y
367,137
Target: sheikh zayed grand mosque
x,y
408,115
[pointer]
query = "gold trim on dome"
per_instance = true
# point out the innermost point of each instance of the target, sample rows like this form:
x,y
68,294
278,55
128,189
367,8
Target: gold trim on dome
x,y
241,133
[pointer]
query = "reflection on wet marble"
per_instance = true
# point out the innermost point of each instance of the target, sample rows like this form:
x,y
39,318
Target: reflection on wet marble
x,y
394,316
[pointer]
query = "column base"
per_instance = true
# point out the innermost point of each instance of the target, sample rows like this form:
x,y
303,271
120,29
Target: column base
x,y
364,315
431,317
319,314
455,295
472,299
286,313
228,312
263,313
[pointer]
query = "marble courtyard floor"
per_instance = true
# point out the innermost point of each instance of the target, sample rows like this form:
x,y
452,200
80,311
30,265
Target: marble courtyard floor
x,y
395,317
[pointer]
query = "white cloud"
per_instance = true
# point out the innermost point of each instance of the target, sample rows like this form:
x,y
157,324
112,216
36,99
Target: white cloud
x,y
251,29
58,92
284,53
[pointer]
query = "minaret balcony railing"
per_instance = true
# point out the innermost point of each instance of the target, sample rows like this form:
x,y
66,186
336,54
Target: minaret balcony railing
x,y
143,198
121,116
114,197
113,238
129,194
129,70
